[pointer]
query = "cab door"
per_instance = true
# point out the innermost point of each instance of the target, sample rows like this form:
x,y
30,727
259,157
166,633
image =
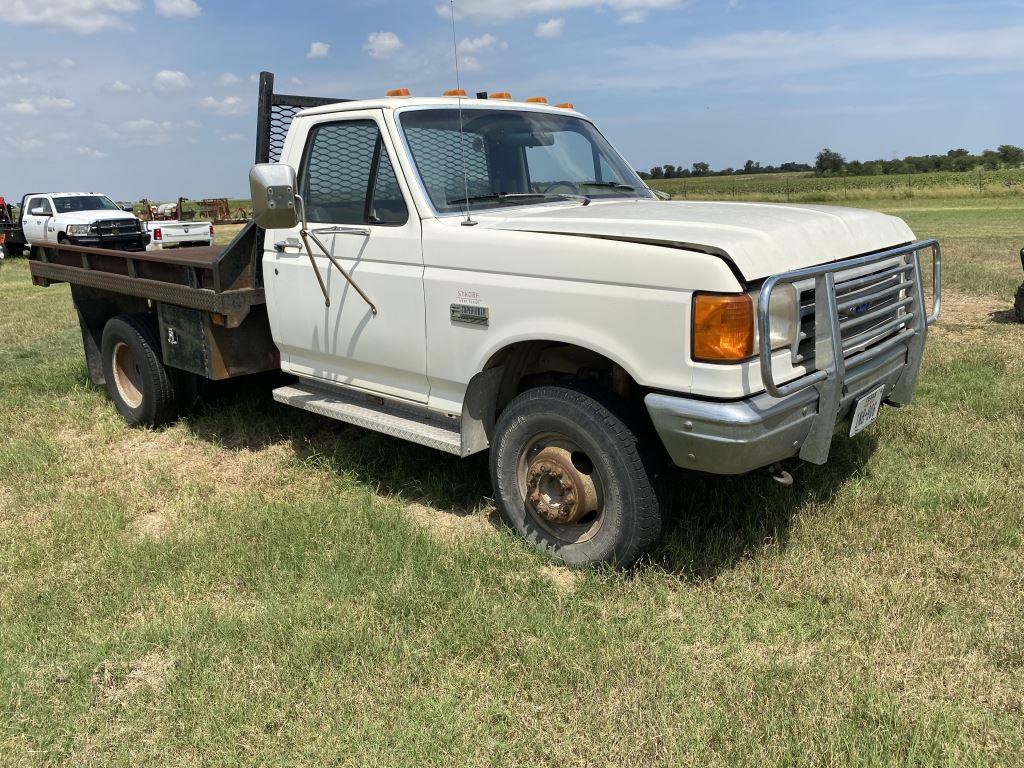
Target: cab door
x,y
35,225
356,205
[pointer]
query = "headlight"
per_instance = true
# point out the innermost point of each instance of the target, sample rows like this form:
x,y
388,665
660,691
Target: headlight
x,y
79,229
723,327
783,316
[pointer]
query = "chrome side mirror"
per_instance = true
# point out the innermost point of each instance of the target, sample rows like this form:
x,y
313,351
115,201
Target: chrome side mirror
x,y
273,187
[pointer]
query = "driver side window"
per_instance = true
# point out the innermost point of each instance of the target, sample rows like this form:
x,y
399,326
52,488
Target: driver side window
x,y
40,203
347,176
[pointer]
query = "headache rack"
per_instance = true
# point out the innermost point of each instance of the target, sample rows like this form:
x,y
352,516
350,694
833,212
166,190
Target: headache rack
x,y
850,313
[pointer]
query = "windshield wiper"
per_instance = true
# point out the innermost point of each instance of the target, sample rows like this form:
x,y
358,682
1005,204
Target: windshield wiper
x,y
501,197
606,184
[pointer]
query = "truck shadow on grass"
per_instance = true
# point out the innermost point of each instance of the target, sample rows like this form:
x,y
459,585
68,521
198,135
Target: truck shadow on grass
x,y
717,522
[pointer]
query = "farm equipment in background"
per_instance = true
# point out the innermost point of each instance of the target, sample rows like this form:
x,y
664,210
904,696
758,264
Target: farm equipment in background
x,y
218,210
12,238
166,211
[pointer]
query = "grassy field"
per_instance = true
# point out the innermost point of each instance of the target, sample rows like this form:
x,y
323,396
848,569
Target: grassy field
x,y
806,187
256,586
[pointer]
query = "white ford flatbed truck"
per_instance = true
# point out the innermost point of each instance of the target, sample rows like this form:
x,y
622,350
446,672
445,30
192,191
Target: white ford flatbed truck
x,y
480,274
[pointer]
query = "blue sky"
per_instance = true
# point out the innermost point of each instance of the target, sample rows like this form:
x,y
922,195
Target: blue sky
x,y
156,98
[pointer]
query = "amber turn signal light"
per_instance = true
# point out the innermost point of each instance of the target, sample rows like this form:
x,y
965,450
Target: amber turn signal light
x,y
723,327
456,92
395,92
502,96
566,105
536,100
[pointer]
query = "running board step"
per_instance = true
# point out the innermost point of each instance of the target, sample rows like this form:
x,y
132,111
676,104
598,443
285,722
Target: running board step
x,y
391,418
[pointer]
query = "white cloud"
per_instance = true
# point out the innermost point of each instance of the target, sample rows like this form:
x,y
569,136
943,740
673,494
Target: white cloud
x,y
381,45
471,46
551,28
233,137
476,44
26,143
13,81
318,50
296,81
229,105
177,9
67,63
229,78
749,57
85,17
629,11
118,86
90,152
171,80
38,104
144,132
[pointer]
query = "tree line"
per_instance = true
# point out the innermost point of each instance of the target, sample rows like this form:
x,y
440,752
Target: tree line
x,y
832,163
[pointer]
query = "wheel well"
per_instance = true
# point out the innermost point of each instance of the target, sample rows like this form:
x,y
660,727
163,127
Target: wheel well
x,y
530,364
95,308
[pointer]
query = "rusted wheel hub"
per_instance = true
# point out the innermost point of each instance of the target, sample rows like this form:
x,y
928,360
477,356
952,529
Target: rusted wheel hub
x,y
556,490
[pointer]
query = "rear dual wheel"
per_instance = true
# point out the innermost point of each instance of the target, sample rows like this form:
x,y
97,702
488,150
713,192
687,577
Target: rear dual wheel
x,y
572,477
140,386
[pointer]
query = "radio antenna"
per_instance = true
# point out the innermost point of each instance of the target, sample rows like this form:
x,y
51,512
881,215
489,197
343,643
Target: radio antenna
x,y
462,134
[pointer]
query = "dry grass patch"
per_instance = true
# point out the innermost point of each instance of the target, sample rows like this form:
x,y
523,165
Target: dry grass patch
x,y
564,580
115,681
452,526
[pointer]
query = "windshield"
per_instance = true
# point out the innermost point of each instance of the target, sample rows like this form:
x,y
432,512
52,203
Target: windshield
x,y
80,203
513,158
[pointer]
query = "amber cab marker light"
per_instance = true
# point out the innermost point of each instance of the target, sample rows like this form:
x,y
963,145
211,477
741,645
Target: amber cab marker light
x,y
723,327
566,105
456,92
537,100
397,92
502,96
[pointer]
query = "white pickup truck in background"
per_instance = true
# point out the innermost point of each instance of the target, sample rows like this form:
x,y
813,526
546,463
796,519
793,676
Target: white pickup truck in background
x,y
178,234
80,218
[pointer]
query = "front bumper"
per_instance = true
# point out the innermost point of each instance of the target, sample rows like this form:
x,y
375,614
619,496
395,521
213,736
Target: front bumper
x,y
132,242
869,324
732,438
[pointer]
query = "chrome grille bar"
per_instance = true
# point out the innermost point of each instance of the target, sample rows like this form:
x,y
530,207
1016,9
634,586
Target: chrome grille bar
x,y
887,303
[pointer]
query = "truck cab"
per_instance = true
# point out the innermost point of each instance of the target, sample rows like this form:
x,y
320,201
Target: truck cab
x,y
80,218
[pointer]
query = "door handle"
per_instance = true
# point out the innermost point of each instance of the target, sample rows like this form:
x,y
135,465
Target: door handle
x,y
361,231
291,242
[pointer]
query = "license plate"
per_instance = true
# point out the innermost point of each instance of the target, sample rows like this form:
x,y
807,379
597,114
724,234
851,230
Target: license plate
x,y
865,412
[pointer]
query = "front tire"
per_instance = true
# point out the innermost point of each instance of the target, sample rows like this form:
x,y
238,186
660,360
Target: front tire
x,y
571,476
140,386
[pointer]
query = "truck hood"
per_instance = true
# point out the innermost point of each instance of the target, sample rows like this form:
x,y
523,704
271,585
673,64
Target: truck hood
x,y
760,239
88,217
